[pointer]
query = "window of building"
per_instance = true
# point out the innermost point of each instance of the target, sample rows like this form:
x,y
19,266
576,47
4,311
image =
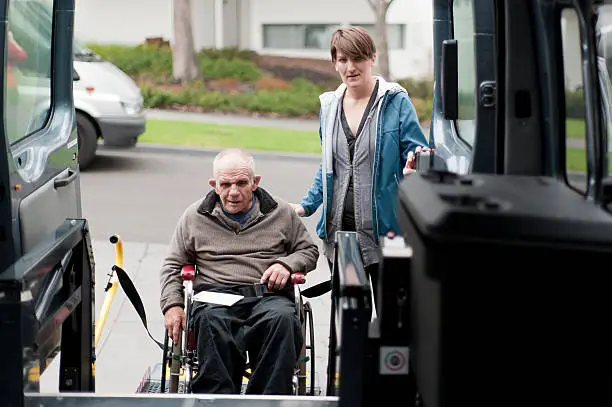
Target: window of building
x,y
318,36
298,36
395,34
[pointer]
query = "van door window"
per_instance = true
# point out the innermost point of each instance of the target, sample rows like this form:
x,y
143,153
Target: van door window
x,y
575,130
28,67
463,32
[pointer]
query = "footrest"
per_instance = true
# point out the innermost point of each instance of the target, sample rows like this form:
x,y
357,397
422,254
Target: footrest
x,y
154,386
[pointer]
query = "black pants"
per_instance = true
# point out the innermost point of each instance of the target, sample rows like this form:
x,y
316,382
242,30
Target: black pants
x,y
267,327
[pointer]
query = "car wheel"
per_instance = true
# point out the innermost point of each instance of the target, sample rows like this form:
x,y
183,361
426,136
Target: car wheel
x,y
88,140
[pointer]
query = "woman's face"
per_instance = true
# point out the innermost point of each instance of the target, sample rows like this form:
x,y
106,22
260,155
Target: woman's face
x,y
354,73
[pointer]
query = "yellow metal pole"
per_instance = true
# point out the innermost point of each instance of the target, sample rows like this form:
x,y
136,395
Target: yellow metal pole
x,y
111,288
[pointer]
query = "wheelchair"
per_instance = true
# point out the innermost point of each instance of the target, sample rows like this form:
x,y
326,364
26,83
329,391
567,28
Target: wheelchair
x,y
180,361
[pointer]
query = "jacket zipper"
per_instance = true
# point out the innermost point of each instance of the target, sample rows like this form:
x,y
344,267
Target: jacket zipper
x,y
377,151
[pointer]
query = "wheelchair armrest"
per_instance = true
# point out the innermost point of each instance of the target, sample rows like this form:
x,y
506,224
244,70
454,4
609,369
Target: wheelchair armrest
x,y
188,272
298,278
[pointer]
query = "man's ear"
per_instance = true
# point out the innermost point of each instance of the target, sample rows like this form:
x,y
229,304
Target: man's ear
x,y
212,182
256,180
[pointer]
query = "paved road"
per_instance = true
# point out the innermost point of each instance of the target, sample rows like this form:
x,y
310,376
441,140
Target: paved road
x,y
140,195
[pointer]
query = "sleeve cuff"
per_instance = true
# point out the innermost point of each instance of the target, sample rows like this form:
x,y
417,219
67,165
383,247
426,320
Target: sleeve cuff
x,y
282,263
167,307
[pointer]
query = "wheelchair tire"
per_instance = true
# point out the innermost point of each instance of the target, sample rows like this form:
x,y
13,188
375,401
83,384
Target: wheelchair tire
x,y
165,360
307,354
175,365
311,346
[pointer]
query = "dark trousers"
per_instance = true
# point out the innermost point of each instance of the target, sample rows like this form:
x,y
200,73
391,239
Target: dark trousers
x,y
267,327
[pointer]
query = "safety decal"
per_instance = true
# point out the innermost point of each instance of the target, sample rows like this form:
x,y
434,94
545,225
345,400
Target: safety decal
x,y
394,360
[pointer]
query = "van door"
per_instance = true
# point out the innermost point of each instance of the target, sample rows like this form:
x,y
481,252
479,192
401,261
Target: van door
x,y
465,91
39,123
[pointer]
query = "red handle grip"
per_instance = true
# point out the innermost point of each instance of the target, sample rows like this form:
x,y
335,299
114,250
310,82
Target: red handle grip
x,y
298,278
188,272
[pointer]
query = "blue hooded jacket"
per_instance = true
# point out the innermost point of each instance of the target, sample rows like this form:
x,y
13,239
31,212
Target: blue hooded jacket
x,y
398,132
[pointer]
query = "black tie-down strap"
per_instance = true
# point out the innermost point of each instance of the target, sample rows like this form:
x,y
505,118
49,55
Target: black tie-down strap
x,y
132,294
317,289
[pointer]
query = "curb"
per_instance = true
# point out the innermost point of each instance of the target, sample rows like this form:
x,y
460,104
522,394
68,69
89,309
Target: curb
x,y
205,151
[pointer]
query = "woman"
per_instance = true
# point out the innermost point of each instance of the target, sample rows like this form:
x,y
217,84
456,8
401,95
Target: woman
x,y
369,132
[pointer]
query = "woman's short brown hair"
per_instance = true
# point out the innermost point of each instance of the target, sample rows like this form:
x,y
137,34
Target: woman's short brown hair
x,y
354,42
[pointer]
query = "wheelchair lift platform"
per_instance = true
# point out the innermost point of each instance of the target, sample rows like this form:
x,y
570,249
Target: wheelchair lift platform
x,y
46,307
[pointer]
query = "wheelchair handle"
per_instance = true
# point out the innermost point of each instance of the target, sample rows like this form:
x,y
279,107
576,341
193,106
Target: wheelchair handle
x,y
188,272
298,278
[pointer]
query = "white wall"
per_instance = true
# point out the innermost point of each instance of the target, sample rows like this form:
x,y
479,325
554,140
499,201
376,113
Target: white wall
x,y
96,21
416,59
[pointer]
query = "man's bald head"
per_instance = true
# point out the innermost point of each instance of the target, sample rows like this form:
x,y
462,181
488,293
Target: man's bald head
x,y
234,179
234,158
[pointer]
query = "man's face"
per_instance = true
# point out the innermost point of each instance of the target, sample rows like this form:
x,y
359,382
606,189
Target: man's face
x,y
235,187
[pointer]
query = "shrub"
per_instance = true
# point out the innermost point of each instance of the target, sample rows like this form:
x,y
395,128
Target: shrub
x,y
574,104
229,68
234,82
137,61
418,88
227,53
423,108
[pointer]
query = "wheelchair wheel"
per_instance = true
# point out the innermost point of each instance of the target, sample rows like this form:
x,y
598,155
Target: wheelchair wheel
x,y
307,355
172,362
311,346
165,360
175,365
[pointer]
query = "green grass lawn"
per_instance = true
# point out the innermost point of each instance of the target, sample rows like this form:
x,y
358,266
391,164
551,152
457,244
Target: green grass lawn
x,y
575,128
222,136
576,160
274,139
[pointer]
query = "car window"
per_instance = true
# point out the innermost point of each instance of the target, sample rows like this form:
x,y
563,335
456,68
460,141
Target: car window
x,y
28,67
463,32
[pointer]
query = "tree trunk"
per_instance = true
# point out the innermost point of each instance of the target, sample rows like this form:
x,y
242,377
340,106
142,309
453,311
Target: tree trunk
x,y
380,10
184,64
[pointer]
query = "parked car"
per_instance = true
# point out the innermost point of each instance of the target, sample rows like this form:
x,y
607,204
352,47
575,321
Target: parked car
x,y
108,104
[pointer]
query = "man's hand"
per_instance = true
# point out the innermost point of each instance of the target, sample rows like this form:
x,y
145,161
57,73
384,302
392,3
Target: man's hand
x,y
276,275
174,321
299,209
411,160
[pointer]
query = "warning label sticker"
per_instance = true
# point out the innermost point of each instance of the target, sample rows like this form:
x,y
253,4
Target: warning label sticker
x,y
394,360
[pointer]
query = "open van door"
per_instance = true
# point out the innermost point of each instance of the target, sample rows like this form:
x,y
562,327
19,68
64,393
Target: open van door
x,y
45,254
40,131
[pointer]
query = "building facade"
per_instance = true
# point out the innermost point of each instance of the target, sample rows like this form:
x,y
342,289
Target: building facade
x,y
291,28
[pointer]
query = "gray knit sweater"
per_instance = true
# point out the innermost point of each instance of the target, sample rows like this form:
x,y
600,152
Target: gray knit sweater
x,y
226,253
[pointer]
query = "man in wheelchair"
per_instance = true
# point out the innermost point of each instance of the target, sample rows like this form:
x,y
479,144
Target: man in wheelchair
x,y
242,241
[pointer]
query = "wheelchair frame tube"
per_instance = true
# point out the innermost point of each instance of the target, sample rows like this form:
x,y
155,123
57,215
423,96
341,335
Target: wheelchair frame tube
x,y
111,288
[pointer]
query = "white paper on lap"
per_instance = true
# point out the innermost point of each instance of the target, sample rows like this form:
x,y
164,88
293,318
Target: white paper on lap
x,y
217,298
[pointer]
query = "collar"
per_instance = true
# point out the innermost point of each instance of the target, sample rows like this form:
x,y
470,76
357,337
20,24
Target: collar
x,y
383,87
266,203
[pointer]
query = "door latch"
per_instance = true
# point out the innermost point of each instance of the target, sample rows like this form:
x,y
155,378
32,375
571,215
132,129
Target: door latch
x,y
488,92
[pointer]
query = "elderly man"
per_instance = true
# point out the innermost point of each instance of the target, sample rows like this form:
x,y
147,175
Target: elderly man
x,y
239,235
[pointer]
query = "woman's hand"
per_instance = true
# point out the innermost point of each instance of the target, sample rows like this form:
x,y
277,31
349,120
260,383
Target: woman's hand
x,y
299,209
411,160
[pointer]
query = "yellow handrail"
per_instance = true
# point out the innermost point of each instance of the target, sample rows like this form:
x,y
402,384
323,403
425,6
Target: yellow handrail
x,y
111,288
